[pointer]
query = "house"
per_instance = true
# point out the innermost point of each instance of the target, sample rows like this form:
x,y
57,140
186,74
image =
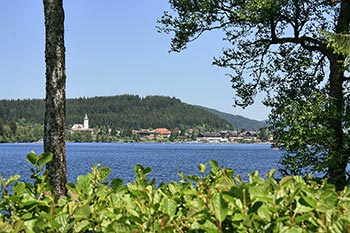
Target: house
x,y
152,134
163,132
211,137
145,133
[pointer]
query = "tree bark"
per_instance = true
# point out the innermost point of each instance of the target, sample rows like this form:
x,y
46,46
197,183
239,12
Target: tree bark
x,y
338,154
55,102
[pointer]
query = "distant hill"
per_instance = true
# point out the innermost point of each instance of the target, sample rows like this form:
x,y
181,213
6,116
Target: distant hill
x,y
238,122
121,112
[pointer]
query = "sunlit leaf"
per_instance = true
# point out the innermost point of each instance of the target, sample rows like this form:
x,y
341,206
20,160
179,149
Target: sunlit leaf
x,y
19,189
202,168
219,206
31,158
169,207
11,180
83,184
44,159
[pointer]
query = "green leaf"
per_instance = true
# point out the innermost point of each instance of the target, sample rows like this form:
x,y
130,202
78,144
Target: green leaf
x,y
169,207
285,181
81,226
219,206
82,212
264,213
142,172
19,189
31,158
117,185
44,159
294,230
119,227
214,166
62,220
27,216
146,171
5,227
103,173
207,226
83,184
302,218
11,180
202,168
307,201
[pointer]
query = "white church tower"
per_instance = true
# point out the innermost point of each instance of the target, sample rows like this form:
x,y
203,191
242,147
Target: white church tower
x,y
86,122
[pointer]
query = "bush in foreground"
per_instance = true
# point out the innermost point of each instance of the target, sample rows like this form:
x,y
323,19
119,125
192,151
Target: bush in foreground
x,y
215,201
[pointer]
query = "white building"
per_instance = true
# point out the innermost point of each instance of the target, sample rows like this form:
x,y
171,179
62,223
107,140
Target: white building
x,y
86,122
83,128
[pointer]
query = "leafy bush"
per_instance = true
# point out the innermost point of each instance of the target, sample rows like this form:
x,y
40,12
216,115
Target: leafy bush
x,y
215,201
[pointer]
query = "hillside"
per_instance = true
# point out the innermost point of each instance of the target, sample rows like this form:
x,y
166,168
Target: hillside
x,y
123,112
238,122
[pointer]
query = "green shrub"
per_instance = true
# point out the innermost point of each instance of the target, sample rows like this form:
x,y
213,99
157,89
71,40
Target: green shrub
x,y
215,201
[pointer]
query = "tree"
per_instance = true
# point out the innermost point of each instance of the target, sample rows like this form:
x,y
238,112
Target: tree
x,y
264,134
55,101
281,47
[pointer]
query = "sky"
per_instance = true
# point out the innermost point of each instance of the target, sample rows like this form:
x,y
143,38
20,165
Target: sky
x,y
113,48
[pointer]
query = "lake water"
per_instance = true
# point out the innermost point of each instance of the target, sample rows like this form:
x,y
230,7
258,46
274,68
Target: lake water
x,y
164,159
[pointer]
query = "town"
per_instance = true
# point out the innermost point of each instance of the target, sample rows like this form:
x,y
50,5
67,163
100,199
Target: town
x,y
83,133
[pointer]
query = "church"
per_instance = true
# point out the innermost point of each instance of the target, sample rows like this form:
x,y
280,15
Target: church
x,y
83,128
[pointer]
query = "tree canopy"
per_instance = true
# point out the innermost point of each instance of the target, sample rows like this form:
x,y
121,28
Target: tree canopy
x,y
283,48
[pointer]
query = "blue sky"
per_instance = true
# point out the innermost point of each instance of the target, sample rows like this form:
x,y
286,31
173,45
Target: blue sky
x,y
113,48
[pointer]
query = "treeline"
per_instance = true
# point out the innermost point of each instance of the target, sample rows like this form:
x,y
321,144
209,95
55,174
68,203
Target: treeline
x,y
238,122
120,112
20,131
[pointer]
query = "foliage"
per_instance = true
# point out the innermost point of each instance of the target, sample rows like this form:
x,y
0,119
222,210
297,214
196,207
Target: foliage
x,y
340,43
238,122
20,131
214,201
302,131
120,112
280,48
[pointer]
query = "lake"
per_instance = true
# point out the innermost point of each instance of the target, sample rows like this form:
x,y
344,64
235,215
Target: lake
x,y
164,159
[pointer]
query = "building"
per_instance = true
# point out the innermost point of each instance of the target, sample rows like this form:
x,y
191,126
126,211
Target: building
x,y
83,128
163,132
154,133
210,137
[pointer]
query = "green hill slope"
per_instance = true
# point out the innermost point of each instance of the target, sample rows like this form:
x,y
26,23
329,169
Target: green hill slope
x,y
238,122
123,112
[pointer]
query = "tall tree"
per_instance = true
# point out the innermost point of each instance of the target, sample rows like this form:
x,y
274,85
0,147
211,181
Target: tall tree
x,y
281,47
54,135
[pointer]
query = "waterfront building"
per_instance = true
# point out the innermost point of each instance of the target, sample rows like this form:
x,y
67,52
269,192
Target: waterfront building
x,y
83,128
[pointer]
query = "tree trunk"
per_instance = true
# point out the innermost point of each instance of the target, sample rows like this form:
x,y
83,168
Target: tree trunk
x,y
55,113
338,155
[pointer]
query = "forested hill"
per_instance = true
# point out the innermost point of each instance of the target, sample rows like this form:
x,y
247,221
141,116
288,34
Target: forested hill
x,y
123,112
238,122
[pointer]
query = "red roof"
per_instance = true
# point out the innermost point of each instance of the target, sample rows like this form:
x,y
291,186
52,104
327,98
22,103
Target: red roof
x,y
163,131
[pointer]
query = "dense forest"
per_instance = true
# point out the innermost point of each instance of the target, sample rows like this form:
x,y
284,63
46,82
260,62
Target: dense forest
x,y
20,131
238,122
120,112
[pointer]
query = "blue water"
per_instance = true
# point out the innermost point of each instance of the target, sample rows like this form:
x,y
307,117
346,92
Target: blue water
x,y
164,159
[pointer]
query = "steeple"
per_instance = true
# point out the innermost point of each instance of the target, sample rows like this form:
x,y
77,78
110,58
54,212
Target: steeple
x,y
86,122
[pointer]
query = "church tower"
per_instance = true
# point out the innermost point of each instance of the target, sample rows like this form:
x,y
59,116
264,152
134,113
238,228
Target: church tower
x,y
86,122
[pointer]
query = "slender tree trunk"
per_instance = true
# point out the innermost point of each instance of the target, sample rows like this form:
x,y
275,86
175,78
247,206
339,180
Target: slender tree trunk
x,y
338,154
55,114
